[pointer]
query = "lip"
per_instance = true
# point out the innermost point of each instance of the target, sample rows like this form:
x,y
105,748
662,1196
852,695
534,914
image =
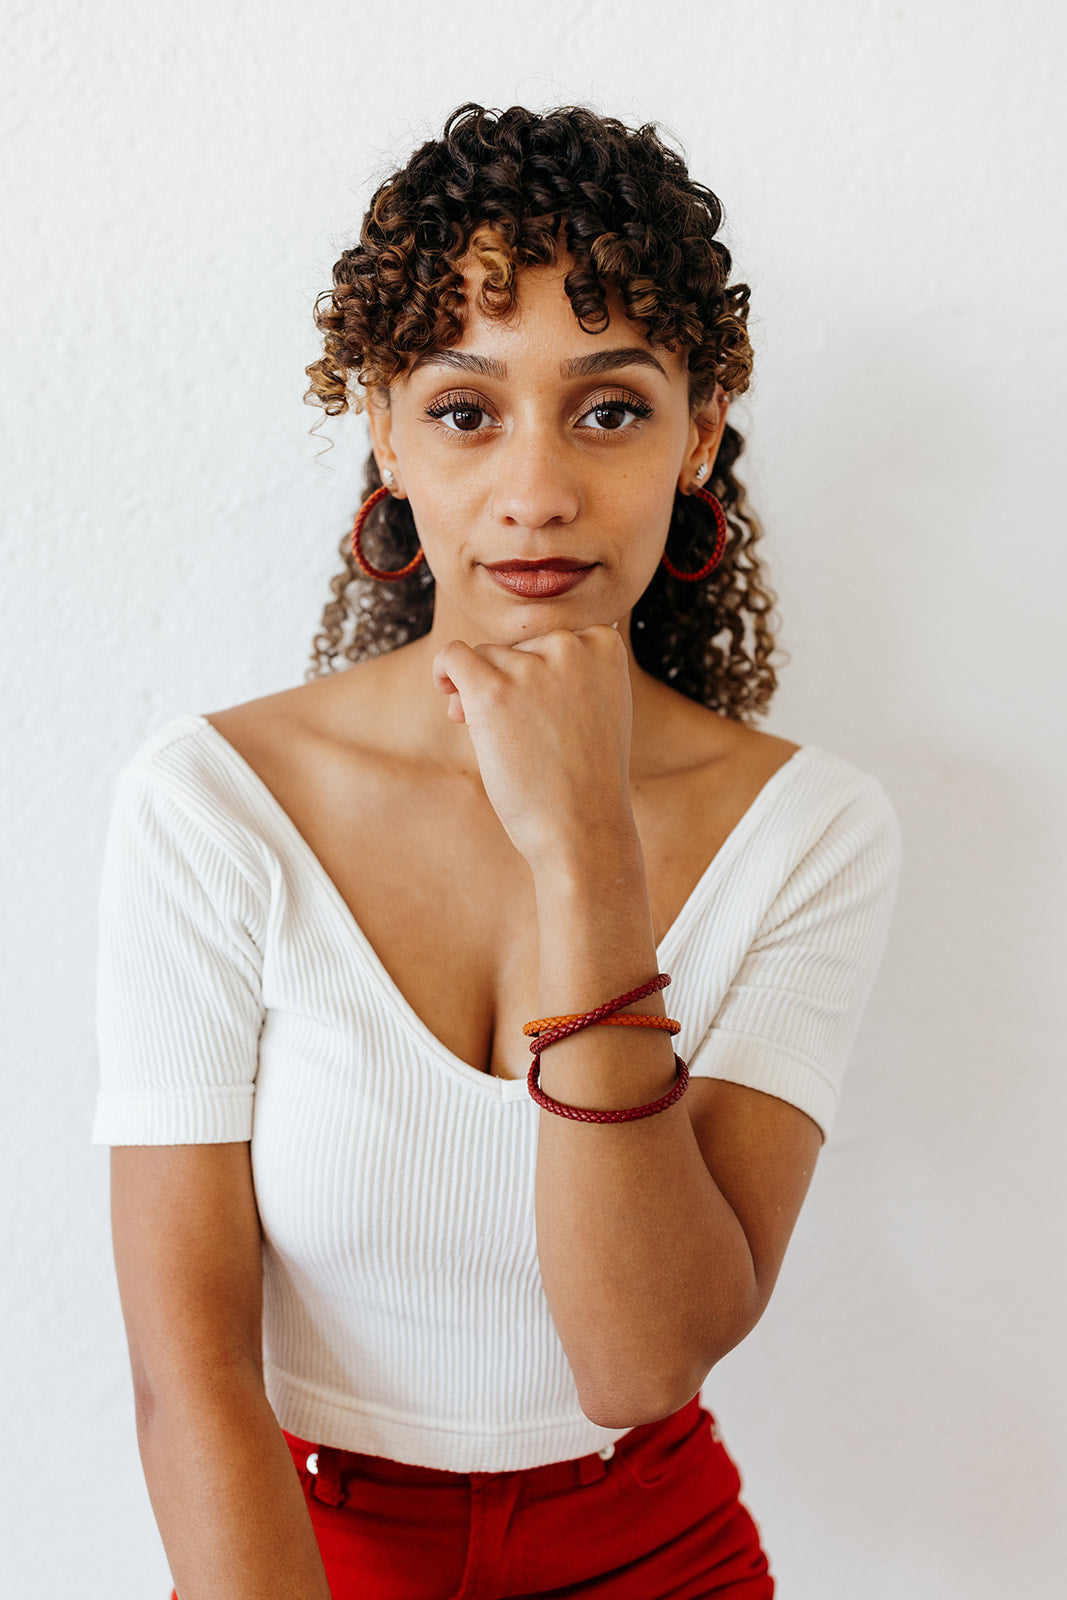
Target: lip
x,y
539,580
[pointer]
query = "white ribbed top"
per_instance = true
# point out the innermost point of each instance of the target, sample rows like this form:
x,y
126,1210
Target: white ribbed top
x,y
237,998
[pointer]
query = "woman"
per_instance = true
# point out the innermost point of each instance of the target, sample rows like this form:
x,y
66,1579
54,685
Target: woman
x,y
492,1284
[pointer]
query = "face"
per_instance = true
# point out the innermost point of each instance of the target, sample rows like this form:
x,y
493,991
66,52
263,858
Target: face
x,y
541,464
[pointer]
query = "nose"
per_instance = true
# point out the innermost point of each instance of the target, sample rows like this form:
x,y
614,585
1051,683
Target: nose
x,y
534,485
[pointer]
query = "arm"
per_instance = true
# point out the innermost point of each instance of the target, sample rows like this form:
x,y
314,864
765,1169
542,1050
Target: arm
x,y
659,1240
228,1502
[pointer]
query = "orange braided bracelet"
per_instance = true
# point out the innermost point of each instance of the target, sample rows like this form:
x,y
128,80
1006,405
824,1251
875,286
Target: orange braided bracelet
x,y
568,1025
547,1024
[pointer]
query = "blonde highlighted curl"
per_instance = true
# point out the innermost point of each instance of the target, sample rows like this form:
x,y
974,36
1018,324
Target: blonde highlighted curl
x,y
512,187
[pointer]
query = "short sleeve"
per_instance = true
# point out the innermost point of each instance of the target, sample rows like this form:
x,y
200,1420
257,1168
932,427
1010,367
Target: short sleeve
x,y
178,1000
788,1021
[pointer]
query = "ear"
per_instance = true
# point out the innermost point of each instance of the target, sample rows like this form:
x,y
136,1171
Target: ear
x,y
706,428
380,422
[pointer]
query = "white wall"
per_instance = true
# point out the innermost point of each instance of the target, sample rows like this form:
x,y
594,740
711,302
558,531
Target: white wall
x,y
182,178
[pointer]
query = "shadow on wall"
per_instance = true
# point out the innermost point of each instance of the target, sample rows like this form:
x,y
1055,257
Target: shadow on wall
x,y
898,1391
896,1411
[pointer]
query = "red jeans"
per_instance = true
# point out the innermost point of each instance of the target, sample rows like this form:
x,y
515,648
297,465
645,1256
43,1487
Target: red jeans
x,y
659,1519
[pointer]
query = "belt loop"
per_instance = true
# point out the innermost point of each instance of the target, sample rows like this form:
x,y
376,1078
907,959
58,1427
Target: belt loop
x,y
591,1468
326,1482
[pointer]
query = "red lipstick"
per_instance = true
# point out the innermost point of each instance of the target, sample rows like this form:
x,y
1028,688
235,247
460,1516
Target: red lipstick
x,y
539,580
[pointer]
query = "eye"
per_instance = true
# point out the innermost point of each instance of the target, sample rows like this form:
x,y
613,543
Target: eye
x,y
614,413
460,413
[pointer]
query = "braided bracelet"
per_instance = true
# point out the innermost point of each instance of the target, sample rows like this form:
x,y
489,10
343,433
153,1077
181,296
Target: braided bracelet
x,y
550,1024
549,1030
634,1114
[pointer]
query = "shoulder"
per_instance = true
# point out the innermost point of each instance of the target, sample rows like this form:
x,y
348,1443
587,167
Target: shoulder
x,y
818,778
356,705
715,758
183,830
212,776
838,832
813,801
175,767
315,733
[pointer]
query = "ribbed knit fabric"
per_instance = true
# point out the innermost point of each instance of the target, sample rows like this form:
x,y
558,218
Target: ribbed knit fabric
x,y
237,998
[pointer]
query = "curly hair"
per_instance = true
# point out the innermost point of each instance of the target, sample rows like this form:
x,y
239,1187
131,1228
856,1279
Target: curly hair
x,y
511,188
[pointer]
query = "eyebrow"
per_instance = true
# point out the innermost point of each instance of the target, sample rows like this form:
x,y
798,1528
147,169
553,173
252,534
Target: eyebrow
x,y
608,361
483,365
580,367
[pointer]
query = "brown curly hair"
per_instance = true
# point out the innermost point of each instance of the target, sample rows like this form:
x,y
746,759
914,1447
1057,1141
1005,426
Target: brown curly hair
x,y
511,187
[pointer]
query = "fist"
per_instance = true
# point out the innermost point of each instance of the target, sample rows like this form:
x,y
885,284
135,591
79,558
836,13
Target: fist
x,y
550,721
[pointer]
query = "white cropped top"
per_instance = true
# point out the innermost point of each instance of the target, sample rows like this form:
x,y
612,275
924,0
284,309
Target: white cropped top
x,y
238,999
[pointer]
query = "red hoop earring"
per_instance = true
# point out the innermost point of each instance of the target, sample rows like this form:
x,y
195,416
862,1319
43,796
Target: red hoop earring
x,y
720,543
378,573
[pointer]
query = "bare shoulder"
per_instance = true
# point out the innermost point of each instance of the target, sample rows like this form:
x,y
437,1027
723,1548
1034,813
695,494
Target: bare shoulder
x,y
694,776
317,744
300,726
702,746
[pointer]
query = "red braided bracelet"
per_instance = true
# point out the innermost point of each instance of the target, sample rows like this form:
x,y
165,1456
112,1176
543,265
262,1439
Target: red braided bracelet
x,y
556,1028
581,1114
575,1024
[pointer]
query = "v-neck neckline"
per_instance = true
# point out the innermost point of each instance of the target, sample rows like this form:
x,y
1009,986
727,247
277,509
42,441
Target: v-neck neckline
x,y
509,1087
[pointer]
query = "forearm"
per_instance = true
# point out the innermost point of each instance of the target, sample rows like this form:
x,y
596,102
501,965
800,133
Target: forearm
x,y
645,1266
227,1500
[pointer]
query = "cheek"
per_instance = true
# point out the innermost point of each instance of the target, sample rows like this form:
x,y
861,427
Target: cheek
x,y
442,484
642,516
443,524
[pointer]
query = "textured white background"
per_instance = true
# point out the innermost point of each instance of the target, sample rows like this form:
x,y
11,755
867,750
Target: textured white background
x,y
178,180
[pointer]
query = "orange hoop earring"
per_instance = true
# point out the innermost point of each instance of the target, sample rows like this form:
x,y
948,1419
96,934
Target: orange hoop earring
x,y
720,543
378,573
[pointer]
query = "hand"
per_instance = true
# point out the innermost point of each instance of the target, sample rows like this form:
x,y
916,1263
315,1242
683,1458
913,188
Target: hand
x,y
550,720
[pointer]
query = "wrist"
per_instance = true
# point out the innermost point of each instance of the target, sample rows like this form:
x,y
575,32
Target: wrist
x,y
604,858
594,929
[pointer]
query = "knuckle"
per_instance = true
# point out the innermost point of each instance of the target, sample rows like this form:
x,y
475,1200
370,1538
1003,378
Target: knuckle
x,y
606,636
563,642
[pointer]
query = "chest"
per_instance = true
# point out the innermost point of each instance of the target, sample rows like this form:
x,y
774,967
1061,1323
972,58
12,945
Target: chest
x,y
424,868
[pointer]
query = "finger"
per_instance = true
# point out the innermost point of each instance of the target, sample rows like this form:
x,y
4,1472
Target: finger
x,y
455,664
444,685
459,670
441,679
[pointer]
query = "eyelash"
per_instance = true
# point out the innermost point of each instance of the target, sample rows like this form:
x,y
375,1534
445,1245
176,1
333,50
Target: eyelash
x,y
623,400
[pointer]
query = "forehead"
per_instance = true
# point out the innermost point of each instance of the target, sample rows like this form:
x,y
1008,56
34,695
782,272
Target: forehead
x,y
543,327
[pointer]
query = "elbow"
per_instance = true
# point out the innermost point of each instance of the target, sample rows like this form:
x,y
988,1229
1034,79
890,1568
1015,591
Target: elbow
x,y
631,1400
648,1399
638,1404
626,1414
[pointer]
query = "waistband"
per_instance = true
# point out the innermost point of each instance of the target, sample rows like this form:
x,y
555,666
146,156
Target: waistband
x,y
324,1468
